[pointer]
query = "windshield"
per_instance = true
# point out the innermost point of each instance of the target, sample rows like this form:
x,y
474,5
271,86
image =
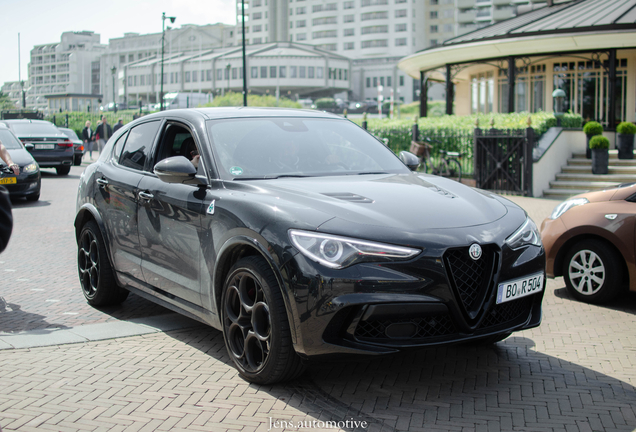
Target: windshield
x,y
258,148
26,129
9,141
70,133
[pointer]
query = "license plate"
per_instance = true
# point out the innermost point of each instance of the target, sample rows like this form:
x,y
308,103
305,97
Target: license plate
x,y
517,288
8,180
44,146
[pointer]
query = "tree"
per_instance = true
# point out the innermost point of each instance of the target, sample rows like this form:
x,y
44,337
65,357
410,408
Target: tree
x,y
5,102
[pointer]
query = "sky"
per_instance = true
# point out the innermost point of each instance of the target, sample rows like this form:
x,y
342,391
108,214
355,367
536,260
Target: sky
x,y
43,21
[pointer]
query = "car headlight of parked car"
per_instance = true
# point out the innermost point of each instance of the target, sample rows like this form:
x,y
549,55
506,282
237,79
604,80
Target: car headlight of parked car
x,y
567,205
527,234
339,252
30,168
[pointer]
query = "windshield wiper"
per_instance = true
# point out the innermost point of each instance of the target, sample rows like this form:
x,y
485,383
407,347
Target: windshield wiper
x,y
372,172
271,177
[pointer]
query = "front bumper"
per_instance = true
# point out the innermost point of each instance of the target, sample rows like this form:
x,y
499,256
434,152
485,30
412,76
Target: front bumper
x,y
27,184
432,300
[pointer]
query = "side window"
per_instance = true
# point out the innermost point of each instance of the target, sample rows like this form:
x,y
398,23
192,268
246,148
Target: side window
x,y
138,145
118,146
178,141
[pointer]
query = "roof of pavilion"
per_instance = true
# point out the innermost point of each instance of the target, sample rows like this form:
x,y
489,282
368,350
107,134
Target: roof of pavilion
x,y
584,25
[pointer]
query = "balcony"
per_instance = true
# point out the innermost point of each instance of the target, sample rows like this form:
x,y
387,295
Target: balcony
x,y
502,14
466,4
501,2
467,17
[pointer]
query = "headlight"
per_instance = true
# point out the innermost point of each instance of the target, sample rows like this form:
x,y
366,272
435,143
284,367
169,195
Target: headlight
x,y
527,234
339,252
567,205
30,168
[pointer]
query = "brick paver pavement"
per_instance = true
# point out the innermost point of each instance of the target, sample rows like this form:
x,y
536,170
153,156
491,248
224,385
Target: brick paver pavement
x,y
574,373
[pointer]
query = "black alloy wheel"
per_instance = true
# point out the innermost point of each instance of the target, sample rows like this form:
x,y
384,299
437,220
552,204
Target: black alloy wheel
x,y
255,325
592,272
95,272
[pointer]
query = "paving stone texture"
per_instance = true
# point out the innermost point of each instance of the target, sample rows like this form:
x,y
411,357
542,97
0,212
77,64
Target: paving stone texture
x,y
576,372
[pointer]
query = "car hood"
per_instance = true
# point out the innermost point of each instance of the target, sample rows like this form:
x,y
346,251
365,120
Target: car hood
x,y
406,202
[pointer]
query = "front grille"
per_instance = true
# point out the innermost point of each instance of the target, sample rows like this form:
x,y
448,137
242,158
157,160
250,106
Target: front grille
x,y
470,278
425,327
507,313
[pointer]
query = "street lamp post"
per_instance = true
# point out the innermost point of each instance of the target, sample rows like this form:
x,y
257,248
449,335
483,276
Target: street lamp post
x,y
163,42
112,71
23,95
228,67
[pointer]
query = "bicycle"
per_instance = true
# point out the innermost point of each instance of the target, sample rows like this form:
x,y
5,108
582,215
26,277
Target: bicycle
x,y
448,166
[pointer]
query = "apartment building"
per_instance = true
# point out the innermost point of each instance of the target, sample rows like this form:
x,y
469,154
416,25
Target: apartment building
x,y
13,90
63,68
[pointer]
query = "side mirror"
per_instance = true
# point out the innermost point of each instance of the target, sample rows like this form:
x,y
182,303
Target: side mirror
x,y
178,169
410,160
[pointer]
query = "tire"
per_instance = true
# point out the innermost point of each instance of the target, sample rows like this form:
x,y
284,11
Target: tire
x,y
63,170
95,272
77,160
592,272
453,169
33,196
255,325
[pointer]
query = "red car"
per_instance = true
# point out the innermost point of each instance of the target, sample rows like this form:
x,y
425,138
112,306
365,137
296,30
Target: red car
x,y
589,240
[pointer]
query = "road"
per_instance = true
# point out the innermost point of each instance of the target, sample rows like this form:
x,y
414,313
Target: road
x,y
576,372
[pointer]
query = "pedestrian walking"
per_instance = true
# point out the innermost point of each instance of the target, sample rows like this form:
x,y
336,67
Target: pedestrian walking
x,y
119,124
88,138
103,132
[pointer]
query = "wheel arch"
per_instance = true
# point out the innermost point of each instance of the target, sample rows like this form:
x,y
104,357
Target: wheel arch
x,y
89,212
239,247
565,248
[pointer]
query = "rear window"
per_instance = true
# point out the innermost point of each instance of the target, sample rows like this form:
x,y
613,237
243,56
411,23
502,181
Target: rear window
x,y
70,133
9,141
26,129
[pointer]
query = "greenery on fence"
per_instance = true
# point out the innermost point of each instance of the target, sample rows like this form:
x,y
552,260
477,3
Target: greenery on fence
x,y
77,120
232,99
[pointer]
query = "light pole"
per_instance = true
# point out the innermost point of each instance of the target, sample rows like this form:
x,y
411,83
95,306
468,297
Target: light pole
x,y
163,42
112,71
23,95
244,59
227,71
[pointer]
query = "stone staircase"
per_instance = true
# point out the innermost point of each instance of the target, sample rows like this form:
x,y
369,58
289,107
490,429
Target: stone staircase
x,y
576,177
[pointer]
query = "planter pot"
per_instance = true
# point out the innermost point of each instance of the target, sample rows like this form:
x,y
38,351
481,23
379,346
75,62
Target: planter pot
x,y
600,161
625,144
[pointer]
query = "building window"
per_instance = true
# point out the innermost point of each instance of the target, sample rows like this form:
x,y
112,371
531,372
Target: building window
x,y
131,58
272,71
380,43
364,3
254,72
256,3
375,29
282,72
130,81
433,15
310,72
301,23
257,15
434,2
301,36
331,6
301,71
325,34
374,15
349,46
401,13
348,5
325,21
234,73
389,81
433,29
195,76
400,42
187,77
401,80
375,81
328,47
292,71
316,8
257,40
320,72
382,81
482,92
433,42
263,71
400,27
257,28
301,10
348,18
400,1
368,82
122,59
208,75
448,28
349,32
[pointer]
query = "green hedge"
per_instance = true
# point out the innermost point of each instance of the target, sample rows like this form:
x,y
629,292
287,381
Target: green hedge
x,y
77,120
233,99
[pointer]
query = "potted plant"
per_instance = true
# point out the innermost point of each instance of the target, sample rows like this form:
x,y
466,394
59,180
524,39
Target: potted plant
x,y
599,146
591,129
625,140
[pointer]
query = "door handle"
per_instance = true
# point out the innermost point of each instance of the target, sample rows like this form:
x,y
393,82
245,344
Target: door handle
x,y
145,195
102,182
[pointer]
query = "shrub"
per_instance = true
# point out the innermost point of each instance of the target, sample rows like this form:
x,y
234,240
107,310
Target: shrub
x,y
599,142
593,128
325,103
626,128
234,99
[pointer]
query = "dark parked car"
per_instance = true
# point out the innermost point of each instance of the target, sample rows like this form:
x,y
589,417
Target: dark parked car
x,y
27,183
78,145
589,240
50,147
300,236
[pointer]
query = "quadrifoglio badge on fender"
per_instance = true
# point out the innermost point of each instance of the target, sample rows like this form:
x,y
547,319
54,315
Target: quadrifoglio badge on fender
x,y
518,288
